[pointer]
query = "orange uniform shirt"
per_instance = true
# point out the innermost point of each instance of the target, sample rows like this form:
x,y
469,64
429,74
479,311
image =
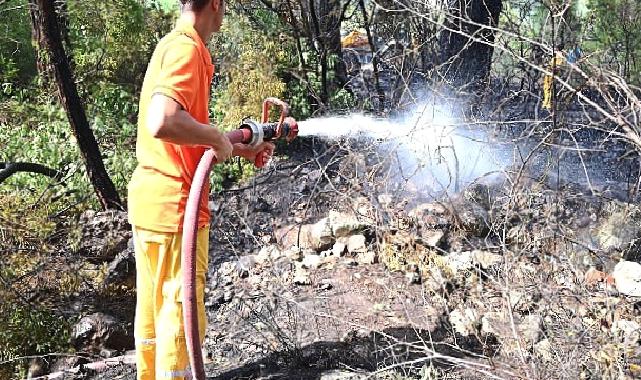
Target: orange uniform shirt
x,y
180,68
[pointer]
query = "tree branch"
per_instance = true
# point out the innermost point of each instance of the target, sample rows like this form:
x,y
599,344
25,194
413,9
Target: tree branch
x,y
7,169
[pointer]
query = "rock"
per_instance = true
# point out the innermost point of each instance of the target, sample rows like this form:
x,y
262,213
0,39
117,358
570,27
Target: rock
x,y
302,277
620,227
99,331
343,224
413,277
339,248
325,284
356,244
628,332
427,209
100,236
524,301
458,262
544,350
471,217
593,276
38,367
528,329
316,236
368,257
464,321
479,194
228,295
322,237
268,253
312,261
122,269
296,235
627,278
430,215
341,375
215,300
433,238
244,265
294,253
486,259
227,268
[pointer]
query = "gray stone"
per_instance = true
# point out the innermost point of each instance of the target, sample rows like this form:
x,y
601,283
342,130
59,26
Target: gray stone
x,y
471,217
268,253
413,277
528,329
100,236
302,277
316,236
486,259
356,244
339,248
341,375
433,238
463,321
459,262
312,261
620,227
245,264
322,237
122,270
99,331
368,257
343,224
627,278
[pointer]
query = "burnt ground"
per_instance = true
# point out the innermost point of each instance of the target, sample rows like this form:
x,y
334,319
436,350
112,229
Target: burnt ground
x,y
350,318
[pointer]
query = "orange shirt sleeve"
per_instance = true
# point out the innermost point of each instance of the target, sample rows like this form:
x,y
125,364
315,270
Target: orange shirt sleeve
x,y
179,72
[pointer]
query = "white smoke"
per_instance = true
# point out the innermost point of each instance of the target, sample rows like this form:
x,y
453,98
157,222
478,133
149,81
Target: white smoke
x,y
429,150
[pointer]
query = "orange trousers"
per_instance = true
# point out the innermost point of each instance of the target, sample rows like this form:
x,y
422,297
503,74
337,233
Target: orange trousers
x,y
161,352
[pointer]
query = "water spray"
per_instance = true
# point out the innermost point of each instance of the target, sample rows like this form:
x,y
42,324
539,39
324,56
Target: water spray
x,y
425,148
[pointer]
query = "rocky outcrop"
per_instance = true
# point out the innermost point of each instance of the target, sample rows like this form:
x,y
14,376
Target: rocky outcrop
x,y
99,332
100,236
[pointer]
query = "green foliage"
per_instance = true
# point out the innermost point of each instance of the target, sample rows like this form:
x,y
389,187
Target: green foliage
x,y
40,133
615,26
113,40
28,331
248,74
17,55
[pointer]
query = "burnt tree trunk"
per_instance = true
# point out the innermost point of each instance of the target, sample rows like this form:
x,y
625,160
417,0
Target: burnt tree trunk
x,y
104,187
324,18
377,82
466,44
331,17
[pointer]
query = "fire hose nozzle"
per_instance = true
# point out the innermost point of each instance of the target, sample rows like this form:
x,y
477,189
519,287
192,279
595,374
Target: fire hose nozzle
x,y
271,132
285,129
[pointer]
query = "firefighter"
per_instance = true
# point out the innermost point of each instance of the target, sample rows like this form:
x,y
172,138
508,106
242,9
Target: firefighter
x,y
548,80
173,132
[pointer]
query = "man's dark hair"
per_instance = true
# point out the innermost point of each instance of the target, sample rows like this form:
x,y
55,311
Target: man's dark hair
x,y
194,5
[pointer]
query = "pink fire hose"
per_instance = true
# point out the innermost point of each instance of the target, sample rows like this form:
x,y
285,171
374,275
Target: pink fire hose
x,y
251,133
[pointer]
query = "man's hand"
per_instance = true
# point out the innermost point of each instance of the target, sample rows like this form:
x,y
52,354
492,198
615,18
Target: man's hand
x,y
222,146
260,155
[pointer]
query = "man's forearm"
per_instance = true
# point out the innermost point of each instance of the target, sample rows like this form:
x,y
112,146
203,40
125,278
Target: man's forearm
x,y
182,129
